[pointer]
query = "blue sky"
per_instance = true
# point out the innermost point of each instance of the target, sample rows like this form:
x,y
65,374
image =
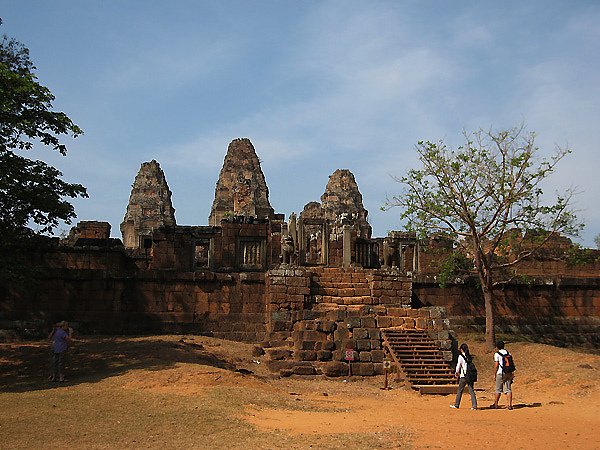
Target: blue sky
x,y
315,85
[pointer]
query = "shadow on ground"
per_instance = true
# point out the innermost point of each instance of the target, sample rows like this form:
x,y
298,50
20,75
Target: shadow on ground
x,y
517,406
26,366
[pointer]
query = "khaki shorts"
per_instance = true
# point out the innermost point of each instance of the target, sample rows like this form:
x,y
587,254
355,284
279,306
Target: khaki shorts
x,y
504,383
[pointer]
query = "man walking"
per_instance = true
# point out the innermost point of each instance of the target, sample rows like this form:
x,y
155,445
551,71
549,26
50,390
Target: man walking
x,y
502,377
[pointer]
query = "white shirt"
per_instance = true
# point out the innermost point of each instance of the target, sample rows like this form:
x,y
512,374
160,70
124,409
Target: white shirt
x,y
498,359
461,365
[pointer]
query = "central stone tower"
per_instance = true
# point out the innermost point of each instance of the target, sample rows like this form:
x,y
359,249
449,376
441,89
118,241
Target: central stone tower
x,y
241,189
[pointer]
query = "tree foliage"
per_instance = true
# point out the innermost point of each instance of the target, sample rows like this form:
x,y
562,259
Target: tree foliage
x,y
31,191
480,193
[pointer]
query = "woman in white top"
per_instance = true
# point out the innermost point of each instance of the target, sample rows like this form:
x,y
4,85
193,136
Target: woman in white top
x,y
461,373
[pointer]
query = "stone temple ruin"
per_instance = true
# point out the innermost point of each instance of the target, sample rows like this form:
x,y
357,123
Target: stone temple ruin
x,y
317,291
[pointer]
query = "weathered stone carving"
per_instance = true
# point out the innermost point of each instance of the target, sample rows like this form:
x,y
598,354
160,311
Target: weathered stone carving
x,y
391,253
241,189
149,205
289,242
287,249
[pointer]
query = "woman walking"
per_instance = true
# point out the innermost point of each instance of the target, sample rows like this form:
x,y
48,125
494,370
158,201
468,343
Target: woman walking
x,y
465,377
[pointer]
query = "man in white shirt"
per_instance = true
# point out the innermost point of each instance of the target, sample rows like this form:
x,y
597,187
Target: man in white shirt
x,y
503,381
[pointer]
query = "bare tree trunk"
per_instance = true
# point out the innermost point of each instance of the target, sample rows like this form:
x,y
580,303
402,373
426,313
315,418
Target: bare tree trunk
x,y
490,317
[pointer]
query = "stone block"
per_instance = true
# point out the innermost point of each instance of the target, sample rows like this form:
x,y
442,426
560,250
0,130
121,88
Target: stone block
x,y
442,335
377,356
366,310
368,322
409,322
327,326
304,370
296,298
305,345
398,321
384,321
278,297
353,322
424,313
307,335
328,345
421,323
445,344
360,333
276,354
337,315
341,334
374,333
345,292
305,325
375,344
277,289
305,355
363,344
278,365
335,369
309,314
364,369
414,313
436,312
354,311
378,368
281,326
324,355
364,356
380,310
277,280
298,290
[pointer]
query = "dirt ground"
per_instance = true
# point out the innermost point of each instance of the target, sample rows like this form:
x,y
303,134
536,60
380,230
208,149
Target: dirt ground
x,y
200,392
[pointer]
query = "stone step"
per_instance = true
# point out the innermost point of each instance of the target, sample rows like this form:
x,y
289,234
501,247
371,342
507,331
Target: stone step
x,y
341,292
440,389
362,300
414,347
419,358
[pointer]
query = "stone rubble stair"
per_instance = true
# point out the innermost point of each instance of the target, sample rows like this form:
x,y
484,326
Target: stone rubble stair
x,y
416,354
341,286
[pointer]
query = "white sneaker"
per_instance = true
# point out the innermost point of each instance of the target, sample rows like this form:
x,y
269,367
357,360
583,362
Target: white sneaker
x,y
454,406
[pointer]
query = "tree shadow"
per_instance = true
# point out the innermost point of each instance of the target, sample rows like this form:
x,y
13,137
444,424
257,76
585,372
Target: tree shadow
x,y
27,365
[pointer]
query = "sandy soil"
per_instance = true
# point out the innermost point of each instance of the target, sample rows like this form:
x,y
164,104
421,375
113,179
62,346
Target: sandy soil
x,y
234,402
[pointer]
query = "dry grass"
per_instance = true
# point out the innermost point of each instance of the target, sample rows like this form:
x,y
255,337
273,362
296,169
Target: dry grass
x,y
198,392
152,392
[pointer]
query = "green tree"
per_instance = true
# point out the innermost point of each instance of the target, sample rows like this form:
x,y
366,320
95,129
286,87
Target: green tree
x,y
479,194
31,191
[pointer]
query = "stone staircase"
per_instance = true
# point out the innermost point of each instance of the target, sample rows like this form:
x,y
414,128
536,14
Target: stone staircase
x,y
416,354
341,286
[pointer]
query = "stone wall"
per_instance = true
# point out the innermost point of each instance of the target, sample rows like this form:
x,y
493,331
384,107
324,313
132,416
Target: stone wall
x,y
316,315
558,310
225,305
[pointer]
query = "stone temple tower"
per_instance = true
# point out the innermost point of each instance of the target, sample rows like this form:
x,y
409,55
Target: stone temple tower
x,y
341,204
241,189
149,206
